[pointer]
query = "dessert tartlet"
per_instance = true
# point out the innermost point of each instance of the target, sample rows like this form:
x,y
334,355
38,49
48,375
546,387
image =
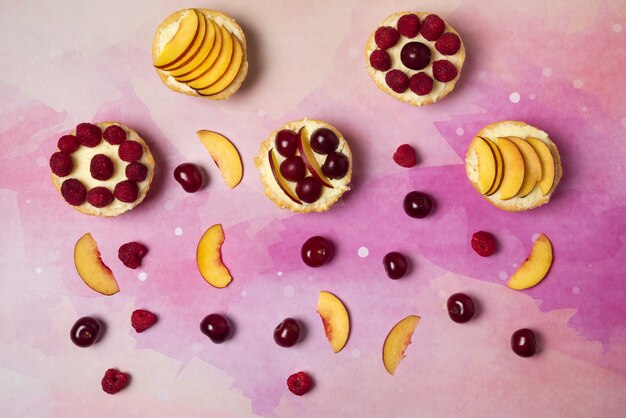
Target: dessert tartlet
x,y
305,166
415,57
515,166
102,169
200,52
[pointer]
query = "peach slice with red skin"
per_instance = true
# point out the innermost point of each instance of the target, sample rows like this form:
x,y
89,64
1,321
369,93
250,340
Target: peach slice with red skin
x,y
225,156
397,341
308,157
335,319
209,257
182,41
535,267
91,269
282,183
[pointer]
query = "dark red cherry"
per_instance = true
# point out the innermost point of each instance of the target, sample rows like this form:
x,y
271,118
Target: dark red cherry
x,y
309,189
287,333
415,55
417,204
316,251
336,165
286,143
86,331
216,327
396,265
324,141
293,168
461,308
523,343
189,176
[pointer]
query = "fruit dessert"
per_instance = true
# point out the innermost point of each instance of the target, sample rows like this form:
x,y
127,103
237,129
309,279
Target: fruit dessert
x,y
306,166
515,166
200,52
415,57
102,169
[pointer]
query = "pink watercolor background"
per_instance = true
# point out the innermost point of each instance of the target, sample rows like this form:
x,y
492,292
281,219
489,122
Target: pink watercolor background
x,y
67,62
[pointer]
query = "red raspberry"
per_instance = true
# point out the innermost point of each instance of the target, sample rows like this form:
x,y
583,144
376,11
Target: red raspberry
x,y
380,60
68,143
130,151
397,81
136,171
114,381
409,25
73,192
131,254
386,37
126,191
483,243
114,135
141,320
444,71
99,197
432,27
88,134
61,164
405,156
101,167
448,43
299,383
421,84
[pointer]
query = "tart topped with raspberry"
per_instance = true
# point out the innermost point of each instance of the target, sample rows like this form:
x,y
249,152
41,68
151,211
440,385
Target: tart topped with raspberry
x,y
305,166
102,169
415,57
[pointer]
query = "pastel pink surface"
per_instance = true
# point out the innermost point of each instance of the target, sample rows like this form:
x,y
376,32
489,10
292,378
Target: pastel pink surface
x,y
556,65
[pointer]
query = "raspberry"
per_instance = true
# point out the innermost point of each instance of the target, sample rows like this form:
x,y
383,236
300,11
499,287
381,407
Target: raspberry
x,y
99,197
73,192
421,84
448,43
405,156
444,71
380,60
409,25
114,381
432,27
136,171
68,143
131,254
126,191
483,243
88,134
114,135
101,167
386,37
141,320
61,164
299,383
397,81
130,151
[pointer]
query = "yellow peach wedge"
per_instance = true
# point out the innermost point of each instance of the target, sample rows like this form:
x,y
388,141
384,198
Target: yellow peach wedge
x,y
397,341
335,319
535,267
225,156
209,257
184,38
90,267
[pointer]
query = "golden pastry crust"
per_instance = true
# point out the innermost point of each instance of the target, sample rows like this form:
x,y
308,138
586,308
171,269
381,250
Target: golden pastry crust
x,y
408,96
516,128
233,27
273,191
109,211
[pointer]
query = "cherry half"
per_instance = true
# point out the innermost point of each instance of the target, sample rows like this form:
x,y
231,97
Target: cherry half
x,y
189,176
316,251
287,333
86,331
216,327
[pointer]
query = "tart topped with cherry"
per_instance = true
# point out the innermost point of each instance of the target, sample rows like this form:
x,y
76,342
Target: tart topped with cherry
x,y
415,57
305,166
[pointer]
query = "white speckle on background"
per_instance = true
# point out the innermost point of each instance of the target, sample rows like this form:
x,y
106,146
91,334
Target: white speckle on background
x,y
41,162
532,96
546,72
503,275
482,75
142,276
356,353
353,52
514,97
280,273
617,27
164,394
363,252
197,347
535,236
178,231
289,291
244,293
460,131
584,108
310,278
38,270
29,200
169,205
575,290
261,113
578,84
442,293
55,54
624,122
21,118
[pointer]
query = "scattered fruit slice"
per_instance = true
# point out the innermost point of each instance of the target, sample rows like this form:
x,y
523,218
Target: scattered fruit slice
x,y
282,183
90,267
193,49
220,65
397,341
535,267
202,53
209,257
513,175
230,74
225,156
210,59
499,166
182,40
485,164
335,319
532,166
308,157
548,165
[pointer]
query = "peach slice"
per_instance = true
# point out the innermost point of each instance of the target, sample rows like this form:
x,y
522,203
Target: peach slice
x,y
202,53
397,341
210,59
209,257
181,42
335,319
91,269
225,156
194,48
513,175
548,166
308,157
282,183
481,157
532,166
535,267
230,74
220,65
499,166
